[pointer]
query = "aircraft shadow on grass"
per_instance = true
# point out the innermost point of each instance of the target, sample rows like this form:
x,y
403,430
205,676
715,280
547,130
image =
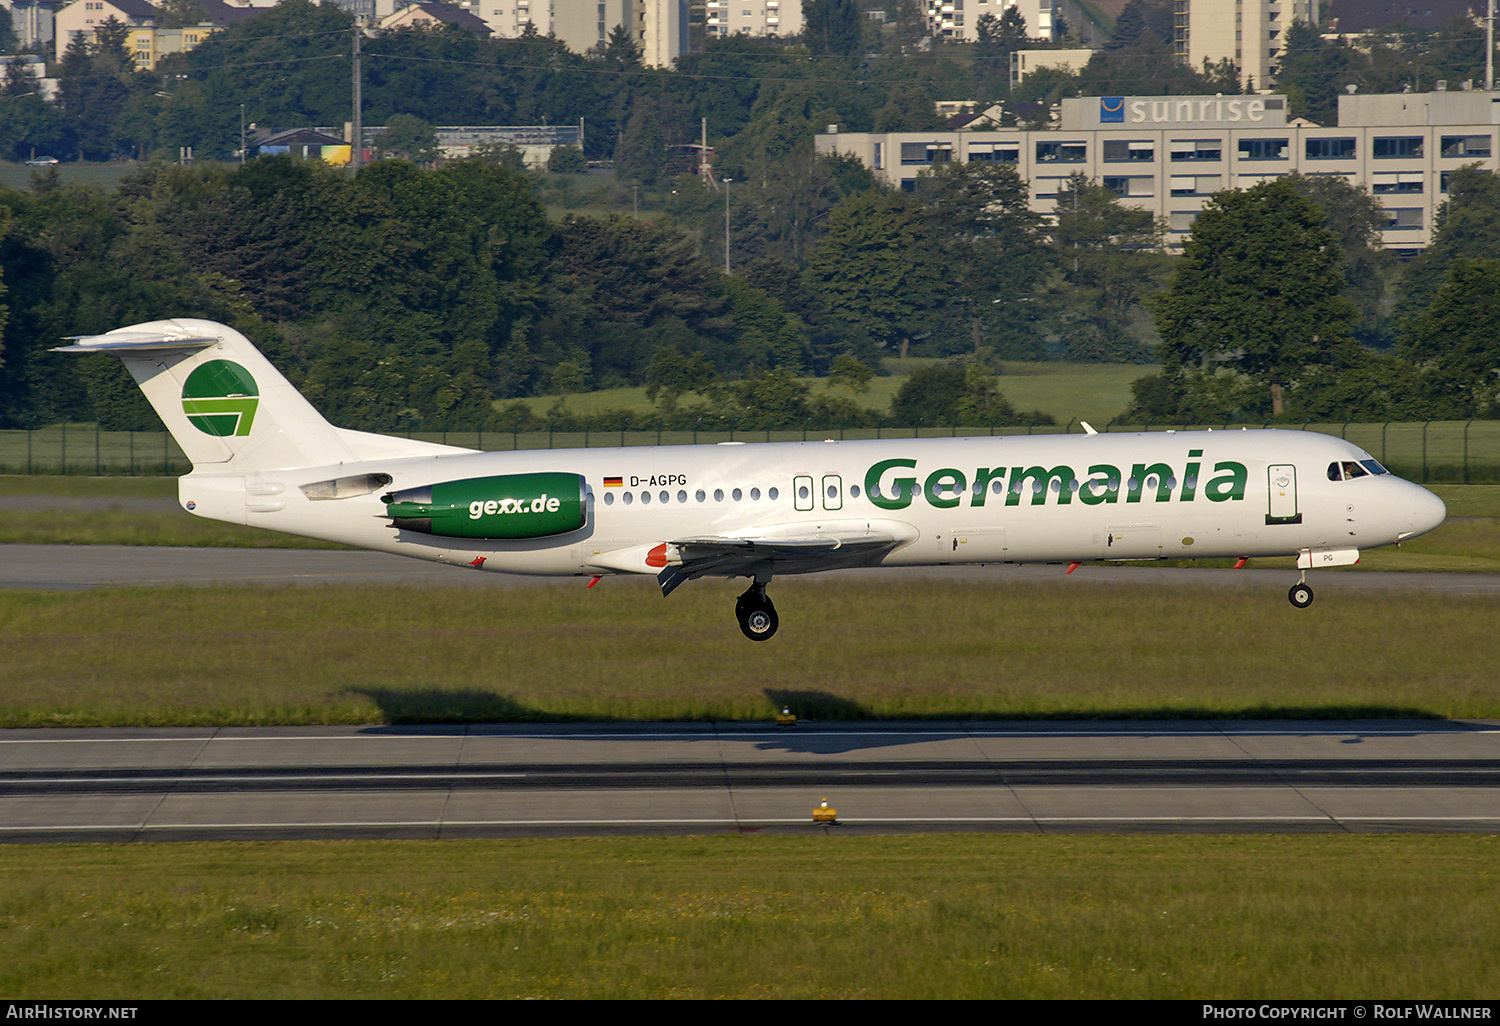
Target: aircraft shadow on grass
x,y
412,706
845,725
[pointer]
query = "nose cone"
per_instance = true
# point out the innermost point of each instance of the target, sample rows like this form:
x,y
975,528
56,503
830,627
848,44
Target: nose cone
x,y
1427,512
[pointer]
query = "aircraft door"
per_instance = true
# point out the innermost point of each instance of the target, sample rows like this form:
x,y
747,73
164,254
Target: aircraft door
x,y
802,492
1282,485
1132,541
833,491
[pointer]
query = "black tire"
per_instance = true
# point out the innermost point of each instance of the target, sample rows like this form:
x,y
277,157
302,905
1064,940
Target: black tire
x,y
1300,595
758,620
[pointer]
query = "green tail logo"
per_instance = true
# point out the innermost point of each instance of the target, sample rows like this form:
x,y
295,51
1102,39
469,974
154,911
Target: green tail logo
x,y
220,399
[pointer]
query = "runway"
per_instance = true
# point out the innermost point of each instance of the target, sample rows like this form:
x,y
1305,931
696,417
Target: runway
x,y
75,567
588,780
516,780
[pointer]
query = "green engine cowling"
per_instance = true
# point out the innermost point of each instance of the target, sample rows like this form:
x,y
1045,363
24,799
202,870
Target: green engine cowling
x,y
507,506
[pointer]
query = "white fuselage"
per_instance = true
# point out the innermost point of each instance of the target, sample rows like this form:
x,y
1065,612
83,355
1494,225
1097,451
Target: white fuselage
x,y
948,500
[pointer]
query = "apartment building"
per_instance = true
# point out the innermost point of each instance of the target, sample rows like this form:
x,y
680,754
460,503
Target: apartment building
x,y
1171,154
659,27
1248,33
959,19
723,18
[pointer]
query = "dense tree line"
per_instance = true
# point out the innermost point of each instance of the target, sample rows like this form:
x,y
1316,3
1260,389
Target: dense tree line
x,y
412,292
1259,320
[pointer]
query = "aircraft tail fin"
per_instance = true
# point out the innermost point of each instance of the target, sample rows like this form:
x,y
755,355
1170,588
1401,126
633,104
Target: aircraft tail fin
x,y
225,404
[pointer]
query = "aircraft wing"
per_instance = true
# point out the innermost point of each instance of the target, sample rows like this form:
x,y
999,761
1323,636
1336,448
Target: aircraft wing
x,y
821,549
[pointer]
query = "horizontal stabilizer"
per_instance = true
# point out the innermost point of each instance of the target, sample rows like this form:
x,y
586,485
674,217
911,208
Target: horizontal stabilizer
x,y
133,342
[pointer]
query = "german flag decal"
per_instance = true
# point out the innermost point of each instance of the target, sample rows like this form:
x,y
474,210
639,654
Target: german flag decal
x,y
614,482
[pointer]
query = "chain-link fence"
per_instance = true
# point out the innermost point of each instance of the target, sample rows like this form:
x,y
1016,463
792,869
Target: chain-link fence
x,y
1432,451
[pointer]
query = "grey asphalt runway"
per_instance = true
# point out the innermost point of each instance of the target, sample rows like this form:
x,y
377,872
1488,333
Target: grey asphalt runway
x,y
72,567
580,780
115,785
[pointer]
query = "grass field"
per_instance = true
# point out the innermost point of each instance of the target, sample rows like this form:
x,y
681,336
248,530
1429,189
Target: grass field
x,y
849,649
1443,451
105,174
988,916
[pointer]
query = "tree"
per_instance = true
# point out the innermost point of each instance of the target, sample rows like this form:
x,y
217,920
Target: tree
x,y
987,244
671,374
1467,225
1130,27
876,271
1258,293
1355,218
95,82
410,137
848,373
620,50
567,160
1108,260
1454,343
953,393
831,26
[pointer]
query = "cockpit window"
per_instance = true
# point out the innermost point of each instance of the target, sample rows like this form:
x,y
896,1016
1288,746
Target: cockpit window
x,y
1348,470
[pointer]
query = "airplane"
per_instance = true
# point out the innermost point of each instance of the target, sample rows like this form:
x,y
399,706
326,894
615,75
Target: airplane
x,y
264,457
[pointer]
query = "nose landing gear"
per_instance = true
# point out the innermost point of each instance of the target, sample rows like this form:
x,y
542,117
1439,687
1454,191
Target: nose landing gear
x,y
1301,594
756,614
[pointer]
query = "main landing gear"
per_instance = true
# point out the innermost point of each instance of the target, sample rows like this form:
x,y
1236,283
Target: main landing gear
x,y
1301,594
756,614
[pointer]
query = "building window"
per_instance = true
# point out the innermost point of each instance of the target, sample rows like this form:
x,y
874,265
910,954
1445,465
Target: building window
x,y
1194,185
1403,219
998,153
1385,182
1466,146
1122,150
1048,186
1263,149
1385,147
1181,220
1330,149
1061,152
926,153
1129,185
1197,149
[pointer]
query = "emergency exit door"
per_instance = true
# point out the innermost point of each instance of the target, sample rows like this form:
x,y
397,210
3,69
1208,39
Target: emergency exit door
x,y
1282,488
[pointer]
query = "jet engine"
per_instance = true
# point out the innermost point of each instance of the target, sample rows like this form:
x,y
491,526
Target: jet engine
x,y
507,506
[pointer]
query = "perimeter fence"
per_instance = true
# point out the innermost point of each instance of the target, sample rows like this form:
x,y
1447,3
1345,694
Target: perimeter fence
x,y
1436,451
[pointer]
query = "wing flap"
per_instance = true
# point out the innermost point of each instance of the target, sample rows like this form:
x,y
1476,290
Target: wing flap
x,y
791,553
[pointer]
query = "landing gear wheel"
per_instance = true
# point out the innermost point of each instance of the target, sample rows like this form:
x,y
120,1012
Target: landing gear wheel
x,y
1301,595
756,614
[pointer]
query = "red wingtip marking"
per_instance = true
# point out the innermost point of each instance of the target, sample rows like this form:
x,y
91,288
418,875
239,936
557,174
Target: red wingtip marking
x,y
1074,566
657,556
1239,564
477,562
596,579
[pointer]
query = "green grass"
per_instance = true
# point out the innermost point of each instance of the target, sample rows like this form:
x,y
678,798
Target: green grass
x,y
105,174
1097,392
943,917
848,649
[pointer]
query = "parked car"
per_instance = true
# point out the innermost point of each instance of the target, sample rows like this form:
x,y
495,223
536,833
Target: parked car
x,y
41,162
